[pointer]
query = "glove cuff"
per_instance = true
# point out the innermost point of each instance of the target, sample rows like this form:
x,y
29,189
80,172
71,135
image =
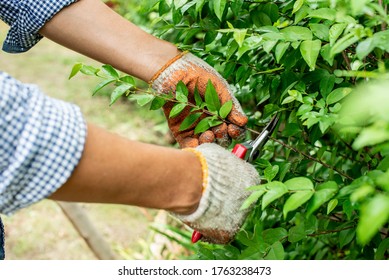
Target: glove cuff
x,y
163,68
225,179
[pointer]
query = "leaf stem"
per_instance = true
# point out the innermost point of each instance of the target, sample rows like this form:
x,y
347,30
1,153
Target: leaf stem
x,y
329,231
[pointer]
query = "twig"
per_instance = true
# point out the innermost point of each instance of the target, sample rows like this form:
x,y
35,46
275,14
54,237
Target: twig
x,y
329,231
307,156
312,158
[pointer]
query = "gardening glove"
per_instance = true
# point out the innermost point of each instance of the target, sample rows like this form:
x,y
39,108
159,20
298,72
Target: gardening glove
x,y
194,72
225,181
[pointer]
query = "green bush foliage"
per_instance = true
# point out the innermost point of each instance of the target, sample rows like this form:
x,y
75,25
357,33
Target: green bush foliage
x,y
322,65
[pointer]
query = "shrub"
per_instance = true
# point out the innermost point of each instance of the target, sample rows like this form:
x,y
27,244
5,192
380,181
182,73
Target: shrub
x,y
320,64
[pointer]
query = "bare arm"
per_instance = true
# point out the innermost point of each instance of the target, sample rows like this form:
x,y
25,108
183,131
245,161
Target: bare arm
x,y
93,29
113,169
116,170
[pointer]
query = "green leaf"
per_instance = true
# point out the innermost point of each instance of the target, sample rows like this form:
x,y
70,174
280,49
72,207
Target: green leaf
x,y
177,109
374,214
239,36
296,200
163,7
288,99
301,14
346,236
303,188
218,7
110,71
304,108
181,92
337,95
325,52
281,48
361,193
357,6
225,109
75,69
275,191
323,193
197,97
253,197
211,98
89,70
371,135
250,43
128,80
118,92
296,33
343,43
326,85
323,13
299,184
382,250
297,5
210,37
335,31
271,172
310,51
379,40
297,233
202,126
157,103
331,205
199,5
142,99
276,252
101,85
189,121
320,30
205,253
214,122
348,209
273,235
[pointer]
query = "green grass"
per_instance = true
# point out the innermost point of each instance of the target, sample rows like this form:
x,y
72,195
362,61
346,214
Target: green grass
x,y
41,231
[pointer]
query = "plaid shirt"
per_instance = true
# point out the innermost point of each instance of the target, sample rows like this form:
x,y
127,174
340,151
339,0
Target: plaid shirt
x,y
41,138
25,18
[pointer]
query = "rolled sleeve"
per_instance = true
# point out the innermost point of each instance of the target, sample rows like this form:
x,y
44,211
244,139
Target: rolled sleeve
x,y
26,18
41,143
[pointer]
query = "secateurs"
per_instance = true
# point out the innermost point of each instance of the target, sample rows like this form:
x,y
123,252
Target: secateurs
x,y
249,151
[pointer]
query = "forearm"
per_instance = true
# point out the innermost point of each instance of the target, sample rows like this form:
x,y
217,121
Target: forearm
x,y
116,170
91,28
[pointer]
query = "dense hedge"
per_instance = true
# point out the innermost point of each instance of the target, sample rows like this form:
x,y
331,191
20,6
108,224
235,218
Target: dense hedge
x,y
326,171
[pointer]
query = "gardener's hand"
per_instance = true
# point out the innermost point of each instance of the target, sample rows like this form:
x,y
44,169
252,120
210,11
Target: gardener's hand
x,y
194,72
225,181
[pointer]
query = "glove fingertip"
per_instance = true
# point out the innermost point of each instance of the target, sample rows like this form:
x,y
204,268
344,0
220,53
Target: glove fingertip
x,y
188,142
221,135
237,118
236,132
207,137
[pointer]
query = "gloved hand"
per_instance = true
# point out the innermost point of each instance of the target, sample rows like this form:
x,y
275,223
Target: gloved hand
x,y
225,179
194,72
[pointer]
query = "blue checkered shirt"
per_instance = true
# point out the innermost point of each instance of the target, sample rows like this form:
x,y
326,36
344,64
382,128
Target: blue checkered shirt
x,y
25,18
41,142
41,138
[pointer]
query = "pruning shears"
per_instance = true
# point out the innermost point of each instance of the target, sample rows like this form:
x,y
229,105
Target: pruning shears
x,y
249,151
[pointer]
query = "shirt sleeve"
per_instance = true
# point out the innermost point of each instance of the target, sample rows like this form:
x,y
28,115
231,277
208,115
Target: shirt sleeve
x,y
41,143
26,18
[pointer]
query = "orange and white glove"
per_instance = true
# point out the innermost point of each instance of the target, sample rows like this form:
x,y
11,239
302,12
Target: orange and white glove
x,y
194,72
225,181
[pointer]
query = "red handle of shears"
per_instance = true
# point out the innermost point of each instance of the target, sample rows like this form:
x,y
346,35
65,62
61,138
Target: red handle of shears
x,y
240,151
